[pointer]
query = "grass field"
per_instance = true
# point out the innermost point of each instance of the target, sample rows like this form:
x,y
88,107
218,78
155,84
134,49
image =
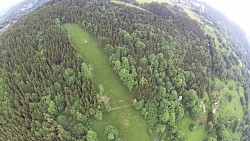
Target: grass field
x,y
226,109
128,121
142,1
198,134
231,109
127,4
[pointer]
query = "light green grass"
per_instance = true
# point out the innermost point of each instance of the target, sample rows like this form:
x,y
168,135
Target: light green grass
x,y
128,121
88,47
211,31
191,14
142,1
231,109
127,4
226,109
198,134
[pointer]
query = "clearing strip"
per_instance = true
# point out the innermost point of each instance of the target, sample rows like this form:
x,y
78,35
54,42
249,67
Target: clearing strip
x,y
128,121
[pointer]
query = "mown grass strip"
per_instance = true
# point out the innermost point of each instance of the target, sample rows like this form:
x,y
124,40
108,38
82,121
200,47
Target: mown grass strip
x,y
128,121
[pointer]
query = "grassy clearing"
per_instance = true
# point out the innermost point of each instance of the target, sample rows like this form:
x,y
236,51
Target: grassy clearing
x,y
127,4
142,1
191,14
227,109
128,121
198,134
211,31
231,109
88,47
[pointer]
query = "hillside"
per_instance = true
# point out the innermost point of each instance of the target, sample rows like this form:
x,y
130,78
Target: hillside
x,y
18,11
123,70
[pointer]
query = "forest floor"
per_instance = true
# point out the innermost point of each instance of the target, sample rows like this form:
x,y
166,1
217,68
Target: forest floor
x,y
128,121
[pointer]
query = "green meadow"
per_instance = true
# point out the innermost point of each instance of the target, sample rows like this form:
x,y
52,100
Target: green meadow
x,y
198,134
128,121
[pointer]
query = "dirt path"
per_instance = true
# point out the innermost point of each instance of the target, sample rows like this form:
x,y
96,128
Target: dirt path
x,y
155,138
203,118
117,108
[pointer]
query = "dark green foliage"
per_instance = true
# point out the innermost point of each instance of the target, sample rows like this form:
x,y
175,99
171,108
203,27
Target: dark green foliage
x,y
111,132
98,115
91,136
222,134
209,127
48,93
230,98
138,104
191,127
242,100
212,139
191,102
227,27
159,54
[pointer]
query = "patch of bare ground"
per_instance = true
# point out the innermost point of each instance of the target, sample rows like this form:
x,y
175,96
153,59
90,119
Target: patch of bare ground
x,y
105,99
91,68
203,119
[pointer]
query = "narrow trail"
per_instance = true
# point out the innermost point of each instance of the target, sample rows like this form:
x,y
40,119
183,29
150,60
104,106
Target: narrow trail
x,y
118,108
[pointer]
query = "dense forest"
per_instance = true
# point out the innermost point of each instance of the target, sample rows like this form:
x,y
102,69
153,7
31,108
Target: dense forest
x,y
234,33
159,53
